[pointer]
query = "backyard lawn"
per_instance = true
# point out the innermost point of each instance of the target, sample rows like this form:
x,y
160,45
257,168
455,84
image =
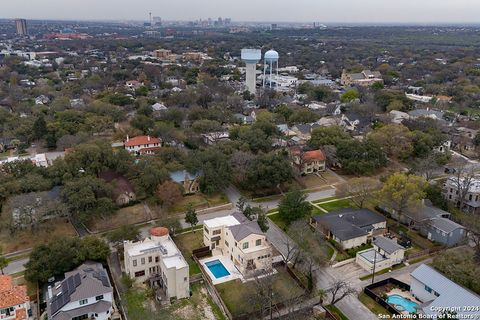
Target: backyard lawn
x,y
339,204
188,242
27,239
240,297
199,201
124,216
372,305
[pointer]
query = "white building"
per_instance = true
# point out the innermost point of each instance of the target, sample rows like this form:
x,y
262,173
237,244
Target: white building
x,y
437,293
86,293
471,202
157,258
239,240
142,145
384,254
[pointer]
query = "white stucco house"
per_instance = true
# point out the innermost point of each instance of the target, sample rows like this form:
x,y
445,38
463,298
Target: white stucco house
x,y
157,259
239,240
384,254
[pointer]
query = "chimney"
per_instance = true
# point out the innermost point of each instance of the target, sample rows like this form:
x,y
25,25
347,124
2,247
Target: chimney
x,y
148,137
128,138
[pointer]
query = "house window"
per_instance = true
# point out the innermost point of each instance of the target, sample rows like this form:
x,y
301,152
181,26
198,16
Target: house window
x,y
185,279
206,230
470,197
143,260
258,242
436,293
226,243
157,259
100,297
150,259
83,301
215,232
135,263
235,244
83,316
245,245
428,289
139,273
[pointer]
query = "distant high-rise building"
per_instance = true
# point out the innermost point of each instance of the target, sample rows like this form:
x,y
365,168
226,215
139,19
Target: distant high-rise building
x,y
21,27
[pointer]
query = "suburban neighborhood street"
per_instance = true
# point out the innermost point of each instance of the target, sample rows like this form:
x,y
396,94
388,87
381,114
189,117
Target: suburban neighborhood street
x,y
16,266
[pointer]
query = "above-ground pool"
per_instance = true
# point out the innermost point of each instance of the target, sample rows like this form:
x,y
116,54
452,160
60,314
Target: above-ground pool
x,y
402,304
217,268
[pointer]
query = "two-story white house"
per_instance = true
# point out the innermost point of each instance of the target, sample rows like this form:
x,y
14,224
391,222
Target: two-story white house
x,y
157,258
86,293
14,300
240,240
142,145
384,254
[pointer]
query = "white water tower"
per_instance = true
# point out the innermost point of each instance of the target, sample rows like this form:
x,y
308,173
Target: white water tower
x,y
271,63
251,57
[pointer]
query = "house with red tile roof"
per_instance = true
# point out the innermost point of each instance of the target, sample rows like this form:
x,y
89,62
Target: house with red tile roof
x,y
307,162
14,300
142,145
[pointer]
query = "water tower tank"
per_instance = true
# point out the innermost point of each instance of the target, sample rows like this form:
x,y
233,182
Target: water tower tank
x,y
271,56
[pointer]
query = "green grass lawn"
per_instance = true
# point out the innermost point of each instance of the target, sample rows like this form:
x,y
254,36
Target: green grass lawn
x,y
188,242
135,303
339,204
337,312
277,219
372,305
199,201
240,298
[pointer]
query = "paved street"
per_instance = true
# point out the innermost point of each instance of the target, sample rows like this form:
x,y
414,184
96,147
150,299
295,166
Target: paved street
x,y
16,266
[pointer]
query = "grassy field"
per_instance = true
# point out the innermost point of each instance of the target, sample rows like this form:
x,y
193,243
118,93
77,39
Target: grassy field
x,y
124,216
140,306
188,242
240,298
337,312
313,181
22,240
372,305
199,201
339,204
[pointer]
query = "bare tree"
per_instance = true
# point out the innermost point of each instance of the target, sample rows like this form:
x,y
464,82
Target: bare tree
x,y
340,290
263,299
427,167
462,180
359,189
292,252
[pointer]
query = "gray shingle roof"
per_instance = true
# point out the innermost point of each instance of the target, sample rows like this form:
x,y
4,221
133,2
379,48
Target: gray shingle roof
x,y
350,223
387,245
451,294
244,229
87,281
100,306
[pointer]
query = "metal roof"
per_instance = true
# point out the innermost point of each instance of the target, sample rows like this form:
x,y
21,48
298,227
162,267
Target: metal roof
x,y
450,293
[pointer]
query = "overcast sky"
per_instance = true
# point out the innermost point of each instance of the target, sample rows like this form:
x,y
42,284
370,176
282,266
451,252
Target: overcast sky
x,y
350,11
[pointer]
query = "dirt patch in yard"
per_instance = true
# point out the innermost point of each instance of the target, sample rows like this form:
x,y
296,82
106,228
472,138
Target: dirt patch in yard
x,y
125,216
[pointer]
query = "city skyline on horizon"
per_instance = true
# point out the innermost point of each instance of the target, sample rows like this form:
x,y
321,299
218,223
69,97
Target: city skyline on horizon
x,y
302,11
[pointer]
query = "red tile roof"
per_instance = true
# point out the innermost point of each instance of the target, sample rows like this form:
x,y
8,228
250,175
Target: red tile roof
x,y
141,140
11,295
314,155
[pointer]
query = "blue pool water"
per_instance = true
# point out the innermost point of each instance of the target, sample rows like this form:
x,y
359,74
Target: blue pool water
x,y
217,268
402,304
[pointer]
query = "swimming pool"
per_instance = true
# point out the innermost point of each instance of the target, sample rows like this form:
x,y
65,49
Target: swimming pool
x,y
402,304
217,268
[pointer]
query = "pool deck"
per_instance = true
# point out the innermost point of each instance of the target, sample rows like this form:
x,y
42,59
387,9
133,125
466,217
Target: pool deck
x,y
234,273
